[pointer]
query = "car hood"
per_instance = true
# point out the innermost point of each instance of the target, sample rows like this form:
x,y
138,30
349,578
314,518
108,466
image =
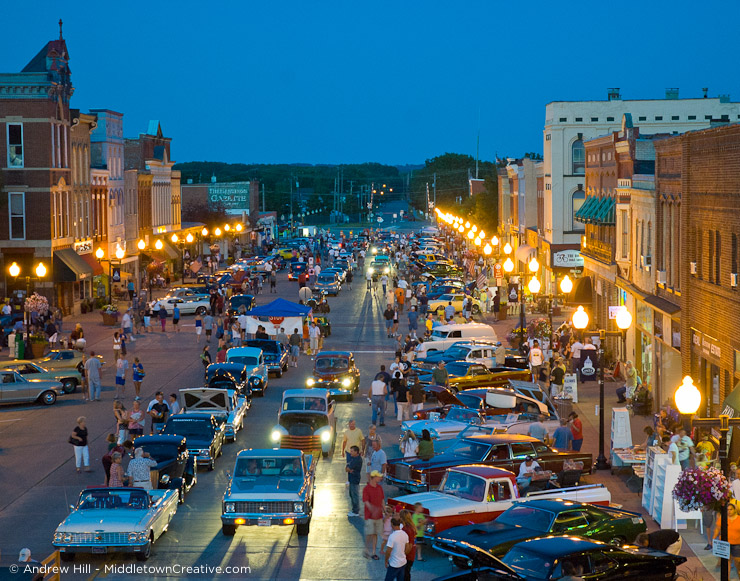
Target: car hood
x,y
441,427
108,520
489,535
274,489
444,395
439,504
330,374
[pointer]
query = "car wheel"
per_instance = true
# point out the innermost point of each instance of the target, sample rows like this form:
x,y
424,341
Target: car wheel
x,y
69,386
228,530
48,398
146,553
476,310
303,529
279,372
285,367
80,367
67,557
200,311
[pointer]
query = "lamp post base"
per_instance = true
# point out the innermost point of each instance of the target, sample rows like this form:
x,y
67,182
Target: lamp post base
x,y
601,463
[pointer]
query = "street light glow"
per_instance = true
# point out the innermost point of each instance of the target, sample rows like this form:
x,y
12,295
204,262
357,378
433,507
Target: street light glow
x,y
566,285
189,237
534,285
204,231
461,229
120,253
494,240
238,227
534,266
477,241
688,397
507,248
624,319
99,253
470,234
467,225
217,231
508,265
487,249
227,227
175,238
41,270
14,270
158,245
141,244
474,228
580,318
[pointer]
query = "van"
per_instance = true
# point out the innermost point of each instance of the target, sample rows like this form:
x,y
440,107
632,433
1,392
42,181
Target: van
x,y
443,336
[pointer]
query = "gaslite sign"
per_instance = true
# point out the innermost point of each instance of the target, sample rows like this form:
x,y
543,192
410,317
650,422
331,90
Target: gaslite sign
x,y
567,259
233,196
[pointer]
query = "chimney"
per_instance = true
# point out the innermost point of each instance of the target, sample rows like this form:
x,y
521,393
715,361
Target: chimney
x,y
671,94
706,91
724,98
613,94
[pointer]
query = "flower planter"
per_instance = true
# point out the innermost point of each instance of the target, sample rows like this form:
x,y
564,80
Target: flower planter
x,y
110,320
38,349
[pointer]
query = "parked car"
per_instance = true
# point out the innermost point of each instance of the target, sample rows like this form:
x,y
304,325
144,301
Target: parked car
x,y
115,520
70,378
328,282
543,559
339,272
240,303
438,305
254,359
471,494
188,305
223,404
270,488
336,372
175,468
295,269
306,421
440,269
231,376
483,353
59,359
276,355
541,517
486,400
204,436
14,388
444,336
507,451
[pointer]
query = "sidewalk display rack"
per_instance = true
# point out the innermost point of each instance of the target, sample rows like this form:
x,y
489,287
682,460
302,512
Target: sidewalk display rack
x,y
621,428
648,483
660,479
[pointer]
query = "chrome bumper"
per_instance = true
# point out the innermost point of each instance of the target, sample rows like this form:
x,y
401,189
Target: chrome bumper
x,y
99,549
265,520
407,485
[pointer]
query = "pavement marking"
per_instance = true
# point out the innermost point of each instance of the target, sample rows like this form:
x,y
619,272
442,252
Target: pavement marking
x,y
15,420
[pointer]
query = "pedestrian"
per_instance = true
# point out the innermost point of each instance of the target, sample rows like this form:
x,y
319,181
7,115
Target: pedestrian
x,y
173,404
420,521
163,317
440,376
538,429
354,473
208,326
314,334
376,395
576,428
670,446
176,318
52,334
352,437
388,316
121,367
205,359
115,478
295,347
348,278
147,319
413,317
409,445
136,421
198,327
306,336
400,396
373,500
127,323
122,420
685,449
158,410
449,311
426,446
536,359
92,373
416,391
282,338
78,439
372,435
85,385
138,377
631,381
562,436
236,333
407,523
557,378
116,345
394,330
139,469
219,327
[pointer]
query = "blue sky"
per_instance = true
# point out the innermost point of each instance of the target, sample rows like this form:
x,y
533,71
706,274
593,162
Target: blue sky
x,y
347,82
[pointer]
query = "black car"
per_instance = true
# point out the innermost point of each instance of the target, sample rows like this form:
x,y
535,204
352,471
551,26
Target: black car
x,y
233,372
276,355
204,436
545,559
239,304
535,518
175,465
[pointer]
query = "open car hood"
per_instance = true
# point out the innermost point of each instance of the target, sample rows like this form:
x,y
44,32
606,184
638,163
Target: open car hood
x,y
444,396
208,399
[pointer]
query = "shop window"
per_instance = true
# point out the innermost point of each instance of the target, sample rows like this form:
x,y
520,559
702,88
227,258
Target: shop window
x,y
624,219
15,145
579,196
17,215
578,156
675,335
658,325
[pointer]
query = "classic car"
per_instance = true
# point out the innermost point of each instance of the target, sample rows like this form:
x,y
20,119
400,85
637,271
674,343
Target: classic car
x,y
188,305
445,336
186,292
203,434
328,282
175,468
380,265
543,559
337,372
474,352
14,388
341,274
306,421
59,359
276,355
539,517
230,376
224,405
466,374
344,263
270,487
295,269
506,451
487,400
438,305
241,303
115,520
440,269
472,494
70,378
254,359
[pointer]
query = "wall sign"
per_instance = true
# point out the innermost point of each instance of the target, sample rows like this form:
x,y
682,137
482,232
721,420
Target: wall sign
x,y
83,246
567,259
709,346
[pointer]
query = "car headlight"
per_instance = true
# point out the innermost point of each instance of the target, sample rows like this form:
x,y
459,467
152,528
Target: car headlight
x,y
143,536
165,479
229,507
310,382
255,380
205,452
386,270
67,538
430,528
371,270
346,382
276,436
133,537
57,537
297,507
325,436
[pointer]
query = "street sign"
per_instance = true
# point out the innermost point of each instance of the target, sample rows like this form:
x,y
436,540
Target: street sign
x,y
305,293
721,549
498,271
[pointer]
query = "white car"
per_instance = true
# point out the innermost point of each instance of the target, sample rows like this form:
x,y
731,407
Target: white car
x,y
188,305
225,405
116,520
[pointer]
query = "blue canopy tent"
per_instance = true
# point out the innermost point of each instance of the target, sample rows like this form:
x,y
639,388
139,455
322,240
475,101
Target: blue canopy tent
x,y
278,313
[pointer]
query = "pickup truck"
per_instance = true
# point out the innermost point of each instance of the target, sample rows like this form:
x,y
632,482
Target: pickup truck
x,y
473,493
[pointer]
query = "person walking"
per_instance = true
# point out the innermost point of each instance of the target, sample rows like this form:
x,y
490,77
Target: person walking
x,y
536,359
138,377
116,477
395,552
208,326
378,390
139,469
121,368
122,421
440,376
413,317
416,391
205,359
400,394
352,437
176,318
117,340
407,523
136,421
295,347
314,334
78,439
348,279
374,501
354,473
562,437
127,324
388,316
163,317
92,373
198,327
158,410
576,428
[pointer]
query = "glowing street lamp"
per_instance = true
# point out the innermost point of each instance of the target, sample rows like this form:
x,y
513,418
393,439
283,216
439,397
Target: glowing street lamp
x,y
474,228
580,318
507,248
688,397
566,285
470,234
204,232
14,270
494,240
217,231
238,227
508,264
158,245
624,319
467,225
477,241
534,285
189,238
461,229
99,253
141,244
487,249
120,253
534,266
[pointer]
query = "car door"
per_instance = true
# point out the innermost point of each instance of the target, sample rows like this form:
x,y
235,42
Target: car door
x,y
546,458
13,388
571,522
499,456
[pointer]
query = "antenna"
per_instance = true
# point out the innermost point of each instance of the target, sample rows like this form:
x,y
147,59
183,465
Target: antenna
x,y
60,29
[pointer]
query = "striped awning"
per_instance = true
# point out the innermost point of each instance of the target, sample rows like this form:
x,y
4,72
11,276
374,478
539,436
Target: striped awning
x,y
600,211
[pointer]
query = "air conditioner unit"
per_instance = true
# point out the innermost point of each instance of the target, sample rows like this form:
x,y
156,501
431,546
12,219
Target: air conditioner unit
x,y
646,262
692,267
661,277
733,279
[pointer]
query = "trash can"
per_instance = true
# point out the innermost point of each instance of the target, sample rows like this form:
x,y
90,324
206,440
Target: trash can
x,y
564,405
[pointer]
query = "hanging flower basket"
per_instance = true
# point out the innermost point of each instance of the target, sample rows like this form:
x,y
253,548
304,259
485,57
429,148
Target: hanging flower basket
x,y
38,303
538,328
697,489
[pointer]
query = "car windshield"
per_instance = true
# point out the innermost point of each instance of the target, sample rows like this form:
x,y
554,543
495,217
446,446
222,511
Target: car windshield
x,y
440,334
260,468
461,415
187,428
527,564
467,450
326,277
160,452
332,364
107,499
527,517
456,352
292,404
469,401
244,360
221,383
266,346
457,369
464,485
475,430
241,300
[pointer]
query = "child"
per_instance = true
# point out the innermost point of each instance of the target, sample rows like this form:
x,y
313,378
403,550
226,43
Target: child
x,y
420,522
387,528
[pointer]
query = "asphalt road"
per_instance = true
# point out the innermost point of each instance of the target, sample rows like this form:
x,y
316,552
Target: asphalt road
x,y
38,480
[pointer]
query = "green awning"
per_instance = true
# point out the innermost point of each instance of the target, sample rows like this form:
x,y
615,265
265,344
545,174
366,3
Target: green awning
x,y
605,214
70,266
586,210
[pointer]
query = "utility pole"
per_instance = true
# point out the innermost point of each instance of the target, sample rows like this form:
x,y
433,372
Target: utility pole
x,y
434,184
291,204
427,208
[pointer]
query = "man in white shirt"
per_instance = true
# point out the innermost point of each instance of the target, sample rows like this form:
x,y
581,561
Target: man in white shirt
x,y
395,552
575,350
536,359
268,267
528,467
314,333
6,309
378,389
670,443
243,322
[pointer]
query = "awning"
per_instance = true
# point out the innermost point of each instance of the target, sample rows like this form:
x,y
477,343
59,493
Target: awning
x,y
604,214
167,252
585,212
525,252
662,304
170,252
70,267
93,263
582,293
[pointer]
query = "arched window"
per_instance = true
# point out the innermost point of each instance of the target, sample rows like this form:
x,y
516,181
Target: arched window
x,y
578,157
578,198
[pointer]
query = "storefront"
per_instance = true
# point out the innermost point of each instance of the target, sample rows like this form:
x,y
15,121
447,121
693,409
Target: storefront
x,y
666,364
644,352
706,369
72,276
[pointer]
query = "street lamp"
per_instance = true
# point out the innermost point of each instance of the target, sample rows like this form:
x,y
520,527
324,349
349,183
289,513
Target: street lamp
x,y
534,285
507,249
580,321
120,255
141,244
566,285
158,245
487,250
508,265
14,270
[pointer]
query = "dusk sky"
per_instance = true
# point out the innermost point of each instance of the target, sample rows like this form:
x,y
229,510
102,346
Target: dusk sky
x,y
392,82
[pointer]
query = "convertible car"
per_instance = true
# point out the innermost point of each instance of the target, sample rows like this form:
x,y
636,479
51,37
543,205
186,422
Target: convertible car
x,y
115,520
59,359
467,374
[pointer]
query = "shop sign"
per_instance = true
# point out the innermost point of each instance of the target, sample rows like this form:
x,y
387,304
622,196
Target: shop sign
x,y
498,271
570,386
233,196
83,246
567,259
706,344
